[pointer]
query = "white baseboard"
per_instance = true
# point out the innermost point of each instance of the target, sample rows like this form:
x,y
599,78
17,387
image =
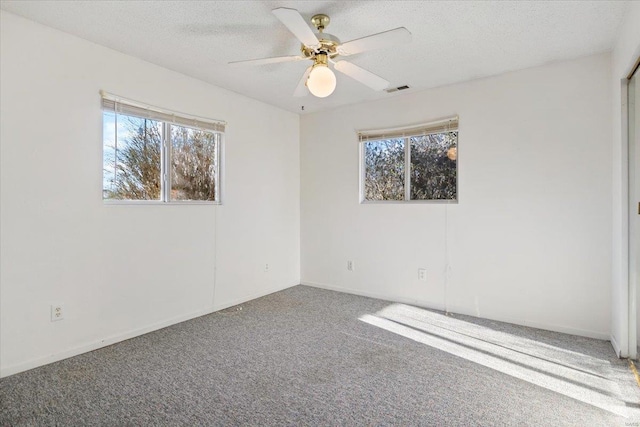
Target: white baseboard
x,y
244,299
386,297
461,310
94,345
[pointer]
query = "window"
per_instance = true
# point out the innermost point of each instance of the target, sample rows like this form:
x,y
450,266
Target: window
x,y
157,156
411,164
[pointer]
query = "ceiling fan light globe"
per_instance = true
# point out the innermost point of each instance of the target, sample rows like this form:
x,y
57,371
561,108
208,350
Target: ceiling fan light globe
x,y
322,81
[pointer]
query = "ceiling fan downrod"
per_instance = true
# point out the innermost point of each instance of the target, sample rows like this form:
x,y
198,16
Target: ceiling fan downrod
x,y
328,43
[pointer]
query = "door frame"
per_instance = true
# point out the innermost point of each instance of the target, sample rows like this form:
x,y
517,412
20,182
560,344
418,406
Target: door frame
x,y
632,173
629,318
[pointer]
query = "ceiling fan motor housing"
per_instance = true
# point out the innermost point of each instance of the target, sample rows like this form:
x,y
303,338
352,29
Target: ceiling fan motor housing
x,y
328,45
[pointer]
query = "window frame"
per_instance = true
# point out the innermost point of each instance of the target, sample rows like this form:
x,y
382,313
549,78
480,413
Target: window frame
x,y
165,154
165,168
398,134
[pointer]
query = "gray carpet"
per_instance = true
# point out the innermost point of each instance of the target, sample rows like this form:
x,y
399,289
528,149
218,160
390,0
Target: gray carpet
x,y
306,356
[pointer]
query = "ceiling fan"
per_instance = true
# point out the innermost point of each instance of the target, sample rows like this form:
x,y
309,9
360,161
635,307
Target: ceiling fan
x,y
323,48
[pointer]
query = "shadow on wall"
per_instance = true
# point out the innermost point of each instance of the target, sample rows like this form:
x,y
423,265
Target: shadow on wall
x,y
579,376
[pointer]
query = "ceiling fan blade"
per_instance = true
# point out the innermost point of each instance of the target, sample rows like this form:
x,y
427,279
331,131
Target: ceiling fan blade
x,y
292,19
272,60
375,41
360,74
301,89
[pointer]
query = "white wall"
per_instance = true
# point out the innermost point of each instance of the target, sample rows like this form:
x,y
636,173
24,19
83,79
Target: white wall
x,y
123,270
625,53
529,241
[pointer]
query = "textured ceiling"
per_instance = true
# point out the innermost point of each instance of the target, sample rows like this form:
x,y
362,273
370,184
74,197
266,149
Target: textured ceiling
x,y
452,41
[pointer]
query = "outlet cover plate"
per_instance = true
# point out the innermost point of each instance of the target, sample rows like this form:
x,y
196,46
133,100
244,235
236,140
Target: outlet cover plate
x,y
57,312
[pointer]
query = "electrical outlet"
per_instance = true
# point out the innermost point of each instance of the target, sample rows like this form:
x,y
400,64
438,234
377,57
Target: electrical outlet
x,y
57,312
422,274
266,268
350,266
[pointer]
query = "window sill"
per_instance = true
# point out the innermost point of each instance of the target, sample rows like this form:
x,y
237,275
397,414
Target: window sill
x,y
409,202
108,202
